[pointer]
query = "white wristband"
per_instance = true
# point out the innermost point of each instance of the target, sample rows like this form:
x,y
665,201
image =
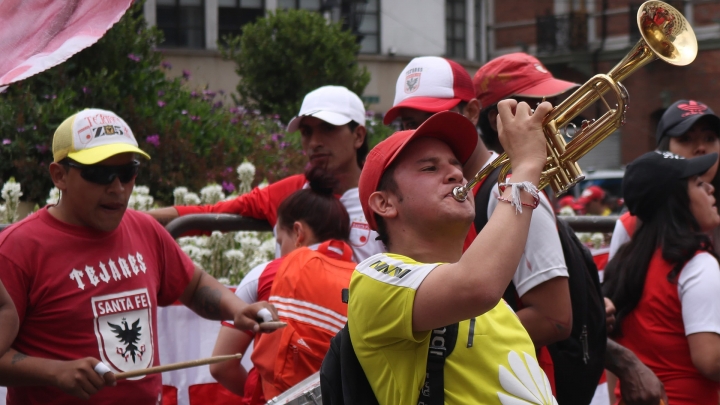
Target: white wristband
x,y
102,369
265,314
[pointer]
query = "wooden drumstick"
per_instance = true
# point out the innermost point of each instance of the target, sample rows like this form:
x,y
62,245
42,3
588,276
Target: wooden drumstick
x,y
176,366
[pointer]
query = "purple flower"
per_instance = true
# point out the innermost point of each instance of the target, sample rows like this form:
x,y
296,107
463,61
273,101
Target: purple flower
x,y
275,137
218,104
228,170
153,140
193,94
166,65
183,112
194,118
284,145
276,116
161,93
161,103
6,141
34,127
41,148
234,110
86,90
20,129
133,57
234,121
228,187
186,74
369,114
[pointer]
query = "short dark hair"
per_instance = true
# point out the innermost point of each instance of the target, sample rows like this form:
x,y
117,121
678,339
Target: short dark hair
x,y
487,133
363,150
317,207
387,183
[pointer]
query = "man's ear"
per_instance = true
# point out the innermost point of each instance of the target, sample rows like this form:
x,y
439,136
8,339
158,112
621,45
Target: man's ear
x,y
58,174
360,134
492,118
380,203
472,111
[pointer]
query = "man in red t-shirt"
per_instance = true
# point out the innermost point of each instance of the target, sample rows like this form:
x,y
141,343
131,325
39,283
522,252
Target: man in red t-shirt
x,y
87,275
331,122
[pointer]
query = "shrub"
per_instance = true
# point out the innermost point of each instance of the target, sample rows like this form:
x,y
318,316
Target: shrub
x,y
287,54
192,139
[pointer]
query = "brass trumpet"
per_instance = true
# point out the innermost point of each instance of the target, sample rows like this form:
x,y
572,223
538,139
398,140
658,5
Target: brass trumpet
x,y
666,35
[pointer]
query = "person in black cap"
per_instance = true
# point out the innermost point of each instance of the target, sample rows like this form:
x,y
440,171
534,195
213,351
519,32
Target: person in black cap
x,y
664,283
688,128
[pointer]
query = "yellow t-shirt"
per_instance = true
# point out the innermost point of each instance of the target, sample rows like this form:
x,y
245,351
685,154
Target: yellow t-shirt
x,y
493,361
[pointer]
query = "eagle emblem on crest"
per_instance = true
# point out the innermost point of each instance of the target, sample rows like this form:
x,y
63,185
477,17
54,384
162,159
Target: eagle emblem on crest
x,y
129,337
412,82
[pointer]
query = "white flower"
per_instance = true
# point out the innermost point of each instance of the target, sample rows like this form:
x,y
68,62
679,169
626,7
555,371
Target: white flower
x,y
567,211
597,239
263,184
179,194
246,174
211,194
526,383
234,254
11,191
191,199
224,281
141,190
54,196
245,170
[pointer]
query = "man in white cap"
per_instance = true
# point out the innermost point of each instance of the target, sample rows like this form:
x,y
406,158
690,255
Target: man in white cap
x,y
332,124
87,275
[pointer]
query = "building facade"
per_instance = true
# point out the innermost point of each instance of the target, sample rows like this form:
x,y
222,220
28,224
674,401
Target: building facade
x,y
575,39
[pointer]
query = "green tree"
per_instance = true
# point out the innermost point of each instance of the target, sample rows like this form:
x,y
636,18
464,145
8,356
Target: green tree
x,y
192,139
287,54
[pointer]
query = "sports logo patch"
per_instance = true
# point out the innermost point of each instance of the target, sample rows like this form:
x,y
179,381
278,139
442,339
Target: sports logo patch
x,y
123,327
359,233
692,108
412,81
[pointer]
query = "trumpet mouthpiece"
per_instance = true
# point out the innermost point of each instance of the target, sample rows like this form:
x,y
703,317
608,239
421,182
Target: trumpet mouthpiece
x,y
459,194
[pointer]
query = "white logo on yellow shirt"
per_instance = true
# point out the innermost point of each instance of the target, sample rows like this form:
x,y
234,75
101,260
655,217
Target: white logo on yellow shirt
x,y
525,382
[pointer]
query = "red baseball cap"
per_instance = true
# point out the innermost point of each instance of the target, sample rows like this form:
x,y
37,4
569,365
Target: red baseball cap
x,y
590,194
450,127
431,84
516,74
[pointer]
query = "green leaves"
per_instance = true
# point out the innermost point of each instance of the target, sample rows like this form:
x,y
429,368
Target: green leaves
x,y
287,54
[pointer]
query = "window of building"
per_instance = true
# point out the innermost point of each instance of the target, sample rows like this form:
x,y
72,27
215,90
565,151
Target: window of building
x,y
312,5
234,14
479,28
370,27
182,22
455,29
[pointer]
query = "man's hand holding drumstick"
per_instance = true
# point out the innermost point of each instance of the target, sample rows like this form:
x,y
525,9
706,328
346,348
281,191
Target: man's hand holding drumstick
x,y
84,377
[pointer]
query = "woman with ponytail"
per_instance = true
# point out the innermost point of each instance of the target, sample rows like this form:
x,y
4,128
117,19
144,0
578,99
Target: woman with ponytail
x,y
312,218
665,281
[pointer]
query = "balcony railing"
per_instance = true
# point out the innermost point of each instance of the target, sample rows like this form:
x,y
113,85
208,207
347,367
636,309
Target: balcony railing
x,y
562,33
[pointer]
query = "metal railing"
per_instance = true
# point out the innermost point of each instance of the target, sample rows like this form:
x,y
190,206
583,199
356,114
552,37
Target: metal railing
x,y
231,223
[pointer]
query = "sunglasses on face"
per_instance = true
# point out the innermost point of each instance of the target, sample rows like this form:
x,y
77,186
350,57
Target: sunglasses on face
x,y
104,175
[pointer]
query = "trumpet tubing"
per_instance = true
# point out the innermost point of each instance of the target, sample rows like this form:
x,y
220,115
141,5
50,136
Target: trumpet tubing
x,y
666,35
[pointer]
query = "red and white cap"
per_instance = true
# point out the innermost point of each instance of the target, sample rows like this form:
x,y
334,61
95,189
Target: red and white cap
x,y
516,74
335,105
431,84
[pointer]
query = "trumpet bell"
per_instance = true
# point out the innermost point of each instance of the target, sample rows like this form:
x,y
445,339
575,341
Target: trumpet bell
x,y
667,33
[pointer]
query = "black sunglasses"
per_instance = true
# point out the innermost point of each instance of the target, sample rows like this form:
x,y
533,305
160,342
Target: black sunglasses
x,y
104,175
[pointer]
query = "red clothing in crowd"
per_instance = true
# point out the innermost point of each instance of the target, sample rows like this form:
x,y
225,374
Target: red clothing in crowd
x,y
655,331
80,293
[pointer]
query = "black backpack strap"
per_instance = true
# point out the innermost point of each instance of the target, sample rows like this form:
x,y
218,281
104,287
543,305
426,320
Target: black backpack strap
x,y
442,343
482,199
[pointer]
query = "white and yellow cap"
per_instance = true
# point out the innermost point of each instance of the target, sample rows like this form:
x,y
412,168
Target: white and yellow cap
x,y
93,135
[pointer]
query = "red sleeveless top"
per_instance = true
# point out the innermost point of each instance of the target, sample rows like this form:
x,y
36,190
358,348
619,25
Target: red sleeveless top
x,y
654,331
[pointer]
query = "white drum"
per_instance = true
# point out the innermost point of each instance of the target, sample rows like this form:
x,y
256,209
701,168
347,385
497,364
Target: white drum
x,y
306,392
